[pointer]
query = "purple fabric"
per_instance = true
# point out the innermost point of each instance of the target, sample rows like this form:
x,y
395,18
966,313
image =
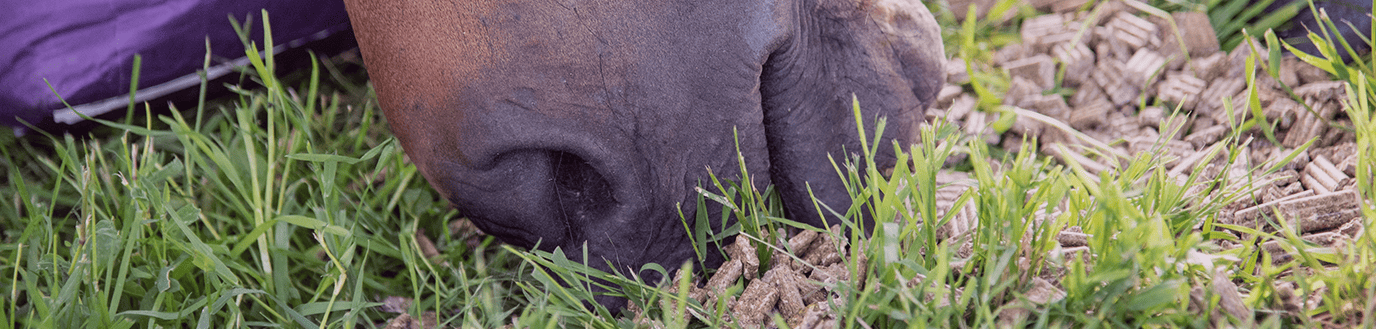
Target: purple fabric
x,y
85,48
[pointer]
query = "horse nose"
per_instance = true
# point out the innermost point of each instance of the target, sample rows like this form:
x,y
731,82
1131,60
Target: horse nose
x,y
532,196
581,193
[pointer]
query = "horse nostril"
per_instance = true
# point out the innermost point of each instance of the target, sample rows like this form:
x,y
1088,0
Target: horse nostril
x,y
582,193
531,196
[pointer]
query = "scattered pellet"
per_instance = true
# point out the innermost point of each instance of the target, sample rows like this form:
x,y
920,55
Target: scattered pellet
x,y
1329,169
1110,75
1206,137
744,250
1183,89
1228,297
1077,60
961,107
1281,178
1144,67
427,320
956,72
1322,91
823,254
1324,173
1248,217
1151,116
1134,31
395,304
725,277
756,301
427,247
1326,239
1203,155
812,317
1211,101
1209,67
802,243
1072,239
1322,212
1272,193
779,256
1044,32
1197,32
1090,116
1315,184
1010,53
1283,111
1039,69
1353,228
825,276
1309,125
1315,298
947,95
1067,6
1021,90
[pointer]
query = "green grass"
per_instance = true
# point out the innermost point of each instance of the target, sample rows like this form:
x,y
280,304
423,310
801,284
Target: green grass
x,y
289,205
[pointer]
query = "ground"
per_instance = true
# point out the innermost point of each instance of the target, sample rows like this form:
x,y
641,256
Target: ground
x,y
1123,193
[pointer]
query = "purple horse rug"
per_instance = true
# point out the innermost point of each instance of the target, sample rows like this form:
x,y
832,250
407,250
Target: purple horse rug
x,y
83,50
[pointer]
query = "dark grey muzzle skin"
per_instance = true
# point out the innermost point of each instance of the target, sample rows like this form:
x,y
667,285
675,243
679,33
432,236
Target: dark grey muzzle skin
x,y
572,123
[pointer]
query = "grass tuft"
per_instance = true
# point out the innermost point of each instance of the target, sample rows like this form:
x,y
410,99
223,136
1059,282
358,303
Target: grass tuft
x,y
288,204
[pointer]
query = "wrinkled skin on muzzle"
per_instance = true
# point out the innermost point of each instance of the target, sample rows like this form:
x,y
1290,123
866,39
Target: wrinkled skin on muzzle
x,y
571,123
